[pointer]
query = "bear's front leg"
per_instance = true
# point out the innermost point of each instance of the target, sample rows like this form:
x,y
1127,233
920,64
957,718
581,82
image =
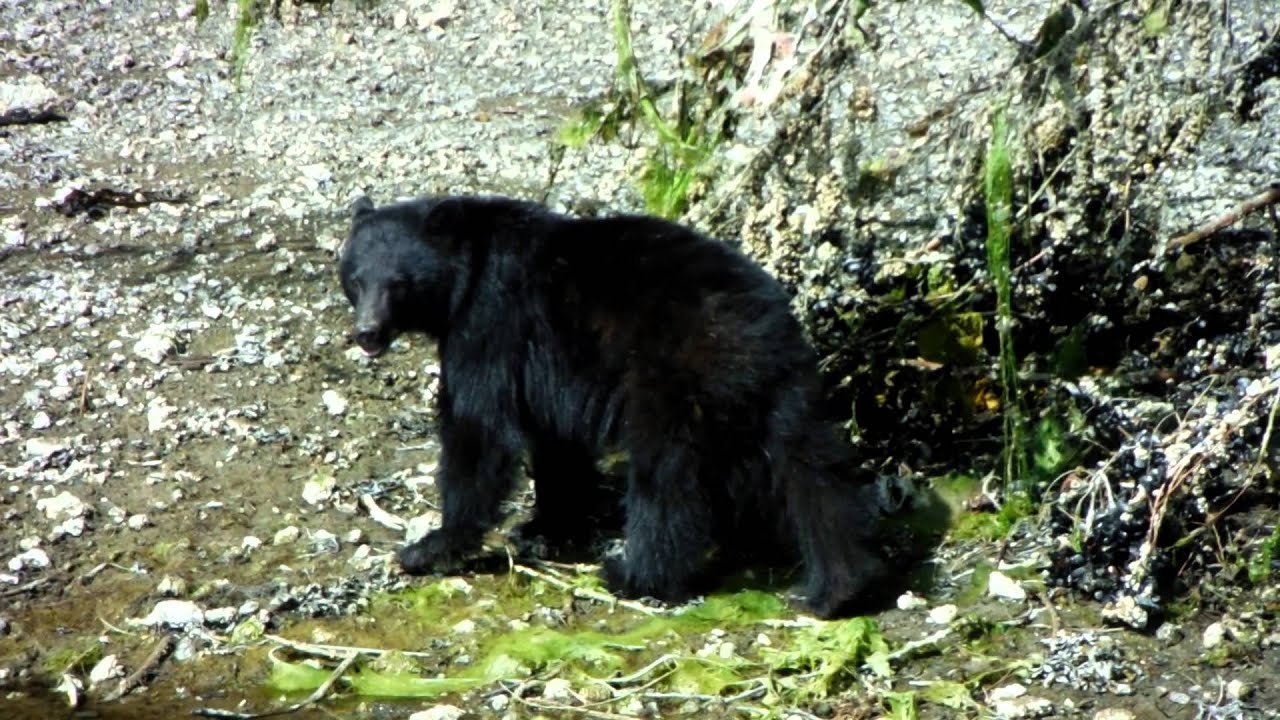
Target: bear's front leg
x,y
478,461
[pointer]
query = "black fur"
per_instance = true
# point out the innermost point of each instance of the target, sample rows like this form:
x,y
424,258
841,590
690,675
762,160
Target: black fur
x,y
562,337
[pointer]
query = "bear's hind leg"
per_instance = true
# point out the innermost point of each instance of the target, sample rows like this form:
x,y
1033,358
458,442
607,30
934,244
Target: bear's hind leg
x,y
669,526
832,520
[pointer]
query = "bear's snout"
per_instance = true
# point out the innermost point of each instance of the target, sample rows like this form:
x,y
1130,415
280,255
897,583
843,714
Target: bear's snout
x,y
372,339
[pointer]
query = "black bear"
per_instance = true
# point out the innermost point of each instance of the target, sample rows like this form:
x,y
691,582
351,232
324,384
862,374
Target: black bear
x,y
565,337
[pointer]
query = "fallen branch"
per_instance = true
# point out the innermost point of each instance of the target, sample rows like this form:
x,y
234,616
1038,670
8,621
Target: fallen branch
x,y
339,652
1266,199
320,693
908,648
380,516
586,593
24,588
628,679
144,671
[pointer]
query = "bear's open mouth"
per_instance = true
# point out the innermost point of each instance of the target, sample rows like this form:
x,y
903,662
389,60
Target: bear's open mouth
x,y
372,343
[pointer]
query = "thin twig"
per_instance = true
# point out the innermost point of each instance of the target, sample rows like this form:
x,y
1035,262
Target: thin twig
x,y
144,671
751,694
588,711
628,679
908,648
24,588
320,693
339,652
1267,198
586,593
84,393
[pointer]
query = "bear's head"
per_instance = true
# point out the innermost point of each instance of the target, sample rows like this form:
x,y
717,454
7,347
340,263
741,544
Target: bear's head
x,y
394,272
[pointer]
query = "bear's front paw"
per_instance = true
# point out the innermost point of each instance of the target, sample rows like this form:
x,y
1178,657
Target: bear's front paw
x,y
616,577
437,551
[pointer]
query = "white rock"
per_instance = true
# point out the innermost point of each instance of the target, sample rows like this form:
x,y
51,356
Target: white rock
x,y
1238,689
250,543
1114,714
159,415
316,173
62,506
558,690
419,526
456,586
333,402
71,687
41,421
465,627
45,355
910,601
439,712
1002,586
171,586
943,614
763,640
71,526
137,522
318,489
1214,635
156,343
174,614
220,617
286,535
107,668
322,541
1023,707
1126,611
33,559
39,447
1007,692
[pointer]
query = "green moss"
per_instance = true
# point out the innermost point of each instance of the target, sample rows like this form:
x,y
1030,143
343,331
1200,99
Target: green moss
x,y
573,652
1260,562
954,338
823,659
79,656
1156,22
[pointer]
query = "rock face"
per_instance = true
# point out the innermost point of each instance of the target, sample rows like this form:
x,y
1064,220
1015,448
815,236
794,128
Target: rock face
x,y
1128,127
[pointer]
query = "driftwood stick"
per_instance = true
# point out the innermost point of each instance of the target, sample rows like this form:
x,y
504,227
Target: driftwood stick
x,y
144,671
320,693
586,593
1267,198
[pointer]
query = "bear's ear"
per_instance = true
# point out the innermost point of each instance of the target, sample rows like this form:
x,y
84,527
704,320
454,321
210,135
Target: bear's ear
x,y
361,207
